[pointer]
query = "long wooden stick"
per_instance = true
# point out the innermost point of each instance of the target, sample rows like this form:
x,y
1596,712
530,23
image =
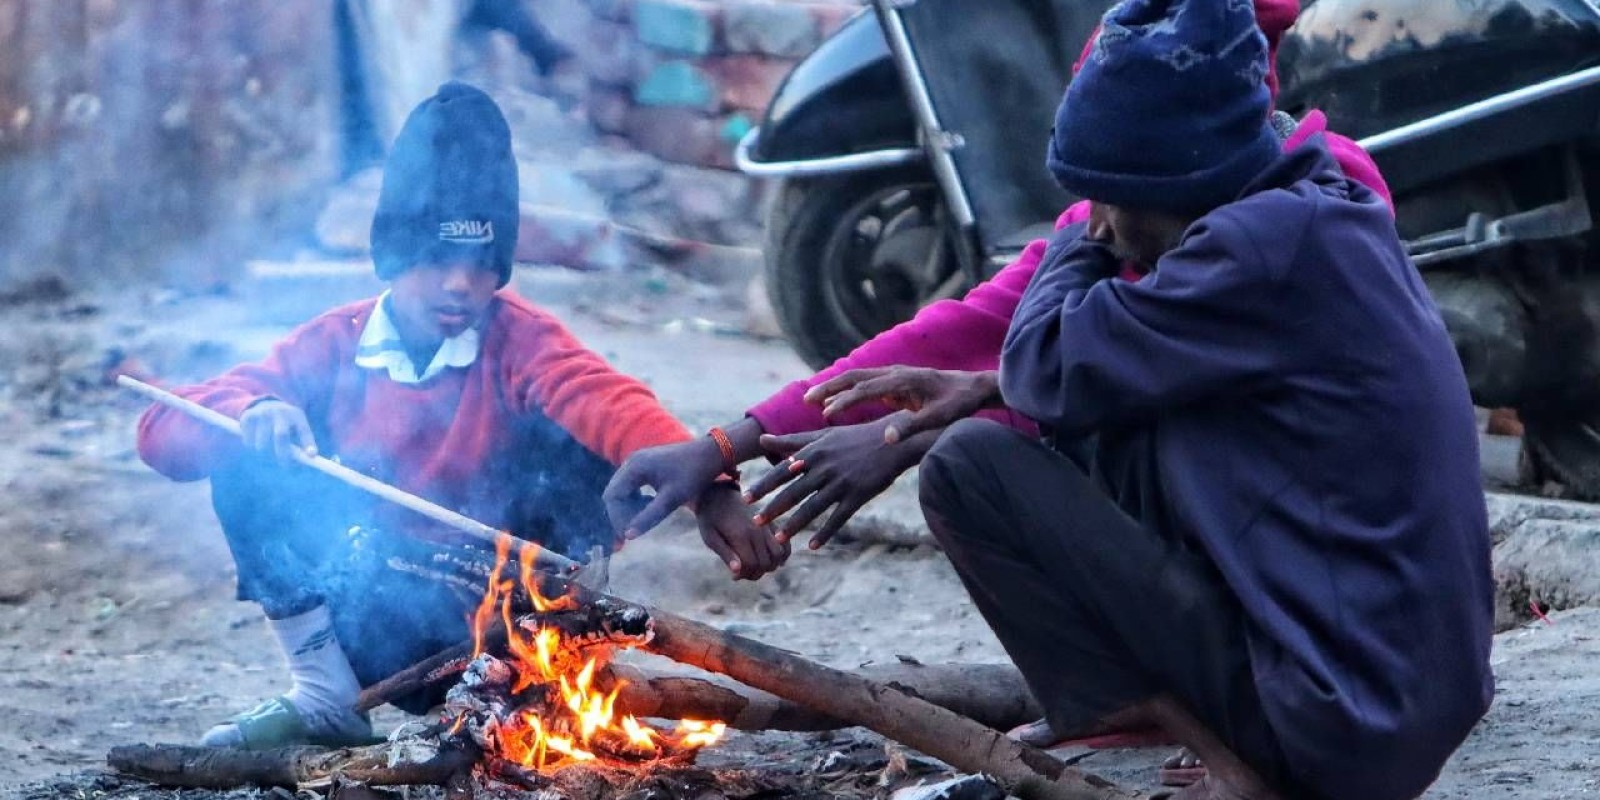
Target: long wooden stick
x,y
1024,771
544,559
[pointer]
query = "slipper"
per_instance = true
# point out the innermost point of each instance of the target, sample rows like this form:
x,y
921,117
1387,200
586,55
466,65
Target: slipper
x,y
1174,773
277,723
1038,734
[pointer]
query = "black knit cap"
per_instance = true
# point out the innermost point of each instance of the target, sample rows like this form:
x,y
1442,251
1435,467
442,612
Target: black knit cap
x,y
449,187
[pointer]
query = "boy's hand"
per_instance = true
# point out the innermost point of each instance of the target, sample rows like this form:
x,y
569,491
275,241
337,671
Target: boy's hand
x,y
679,473
749,550
277,428
841,467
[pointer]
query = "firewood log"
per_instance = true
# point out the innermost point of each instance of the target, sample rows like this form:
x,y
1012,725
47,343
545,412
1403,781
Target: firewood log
x,y
992,694
289,767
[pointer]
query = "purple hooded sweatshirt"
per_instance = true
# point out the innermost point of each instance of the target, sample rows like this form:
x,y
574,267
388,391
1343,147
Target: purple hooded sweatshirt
x,y
1315,438
965,334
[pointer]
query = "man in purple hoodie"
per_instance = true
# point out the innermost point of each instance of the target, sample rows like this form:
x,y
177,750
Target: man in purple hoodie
x,y
1257,520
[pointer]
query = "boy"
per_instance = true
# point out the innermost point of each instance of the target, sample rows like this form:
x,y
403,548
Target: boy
x,y
446,386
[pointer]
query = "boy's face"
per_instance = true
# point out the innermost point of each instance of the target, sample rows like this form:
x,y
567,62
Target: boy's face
x,y
1138,236
437,300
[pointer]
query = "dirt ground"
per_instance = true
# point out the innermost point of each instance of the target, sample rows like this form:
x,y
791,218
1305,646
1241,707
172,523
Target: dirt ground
x,y
117,623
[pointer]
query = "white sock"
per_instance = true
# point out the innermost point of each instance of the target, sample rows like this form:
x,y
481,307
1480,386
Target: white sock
x,y
325,688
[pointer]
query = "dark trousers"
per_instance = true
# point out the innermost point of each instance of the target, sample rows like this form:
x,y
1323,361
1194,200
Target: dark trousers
x,y
300,539
1072,564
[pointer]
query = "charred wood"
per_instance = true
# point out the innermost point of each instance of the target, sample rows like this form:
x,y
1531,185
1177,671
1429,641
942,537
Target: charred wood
x,y
290,767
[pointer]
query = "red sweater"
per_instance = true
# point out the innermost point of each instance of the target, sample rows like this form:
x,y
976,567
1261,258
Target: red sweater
x,y
442,439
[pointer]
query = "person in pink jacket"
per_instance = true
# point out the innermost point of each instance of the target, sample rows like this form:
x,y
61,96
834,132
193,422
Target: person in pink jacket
x,y
838,416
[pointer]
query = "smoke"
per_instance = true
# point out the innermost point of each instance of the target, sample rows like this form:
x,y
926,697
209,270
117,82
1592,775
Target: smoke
x,y
400,587
150,141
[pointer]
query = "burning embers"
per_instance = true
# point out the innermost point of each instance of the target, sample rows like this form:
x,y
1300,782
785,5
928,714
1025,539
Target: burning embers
x,y
546,700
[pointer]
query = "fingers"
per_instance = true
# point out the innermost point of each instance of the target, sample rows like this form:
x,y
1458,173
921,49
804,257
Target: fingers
x,y
786,470
716,544
283,440
789,444
257,435
890,388
748,550
748,564
838,383
779,547
933,416
842,513
291,436
621,495
663,504
302,435
906,424
798,490
808,511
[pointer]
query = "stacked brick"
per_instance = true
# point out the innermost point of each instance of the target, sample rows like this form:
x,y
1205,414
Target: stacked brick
x,y
685,79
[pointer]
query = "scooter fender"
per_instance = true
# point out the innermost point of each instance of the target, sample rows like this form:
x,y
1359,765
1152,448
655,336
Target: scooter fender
x,y
845,99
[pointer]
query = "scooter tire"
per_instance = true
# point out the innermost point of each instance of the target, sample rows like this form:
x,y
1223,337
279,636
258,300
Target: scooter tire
x,y
804,216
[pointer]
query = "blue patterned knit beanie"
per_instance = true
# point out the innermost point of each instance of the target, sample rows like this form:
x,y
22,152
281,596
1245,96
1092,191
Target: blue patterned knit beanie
x,y
1170,110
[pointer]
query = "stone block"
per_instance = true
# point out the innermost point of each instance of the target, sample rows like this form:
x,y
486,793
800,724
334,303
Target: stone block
x,y
608,53
677,84
680,26
614,10
550,235
747,82
619,174
676,134
608,110
778,29
705,196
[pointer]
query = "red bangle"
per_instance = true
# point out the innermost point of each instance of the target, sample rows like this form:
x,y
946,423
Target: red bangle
x,y
730,465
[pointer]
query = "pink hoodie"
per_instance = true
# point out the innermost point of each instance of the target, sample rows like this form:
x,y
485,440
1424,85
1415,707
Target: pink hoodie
x,y
966,334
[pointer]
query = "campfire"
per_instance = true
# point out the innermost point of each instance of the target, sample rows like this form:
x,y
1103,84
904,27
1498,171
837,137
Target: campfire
x,y
539,702
537,708
534,696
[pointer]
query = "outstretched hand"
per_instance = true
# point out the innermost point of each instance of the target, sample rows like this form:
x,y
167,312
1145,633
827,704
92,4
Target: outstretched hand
x,y
839,468
935,398
679,473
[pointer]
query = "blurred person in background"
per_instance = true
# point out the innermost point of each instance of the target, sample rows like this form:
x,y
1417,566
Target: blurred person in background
x,y
392,53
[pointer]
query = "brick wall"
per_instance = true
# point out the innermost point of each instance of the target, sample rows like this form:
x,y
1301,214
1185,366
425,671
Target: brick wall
x,y
685,79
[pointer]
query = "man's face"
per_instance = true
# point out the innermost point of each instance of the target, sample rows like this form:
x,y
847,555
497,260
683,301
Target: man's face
x,y
1138,236
435,301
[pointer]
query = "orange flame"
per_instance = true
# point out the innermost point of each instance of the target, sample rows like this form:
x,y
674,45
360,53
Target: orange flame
x,y
581,722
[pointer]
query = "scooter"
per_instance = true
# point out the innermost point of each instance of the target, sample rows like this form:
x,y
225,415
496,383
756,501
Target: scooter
x,y
909,153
